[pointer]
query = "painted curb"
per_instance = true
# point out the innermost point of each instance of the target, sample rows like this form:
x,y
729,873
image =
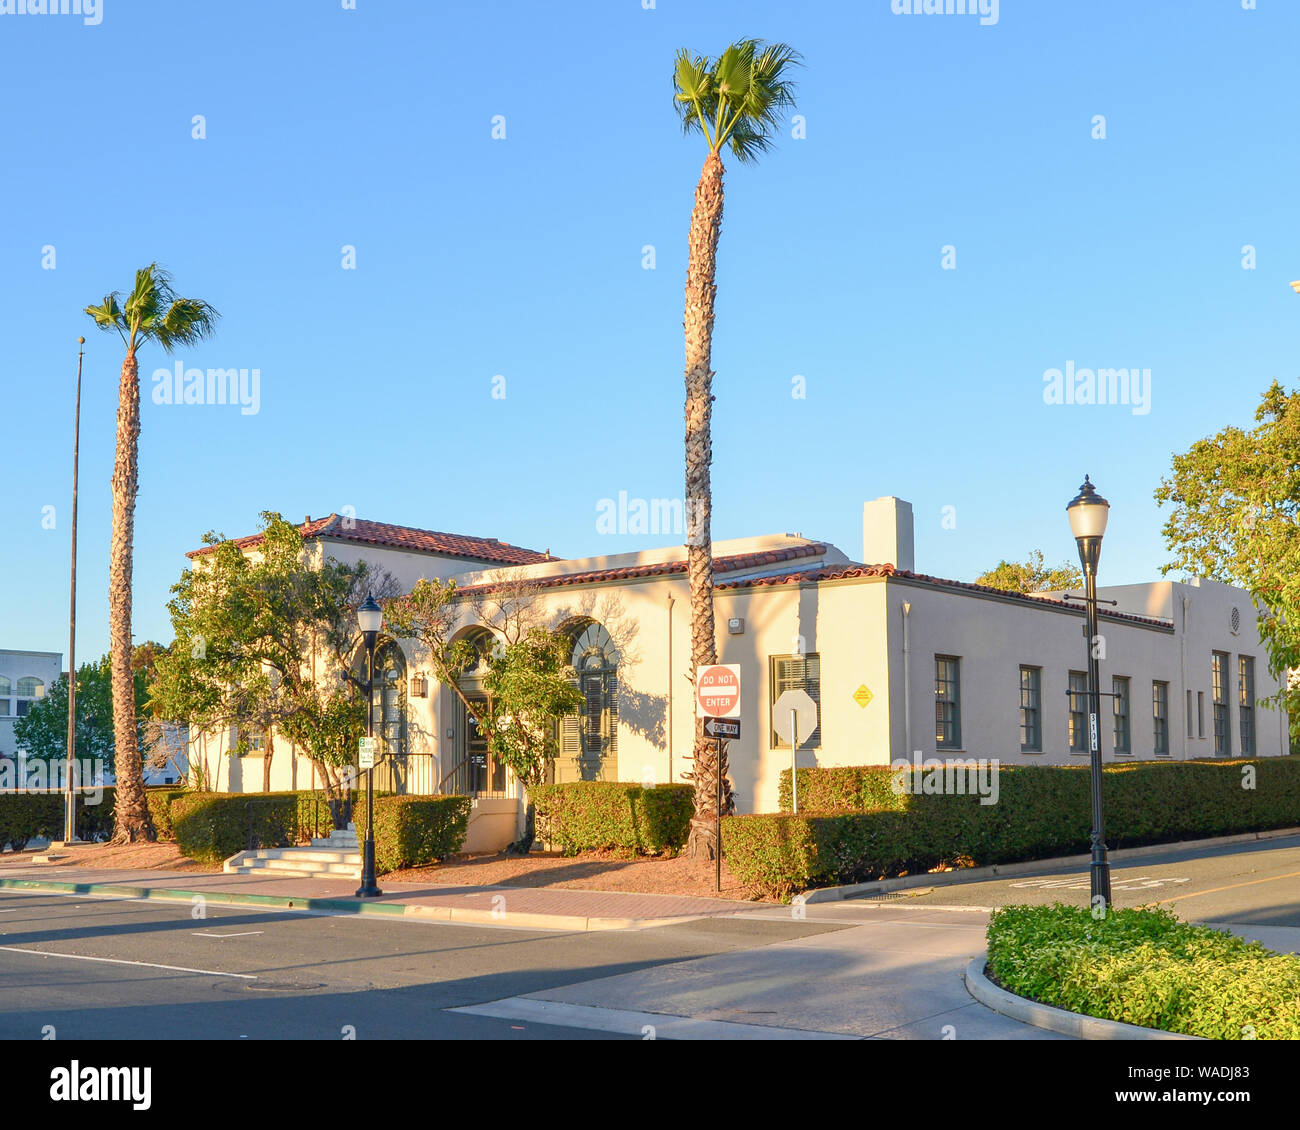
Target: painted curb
x,y
463,915
993,871
1073,1024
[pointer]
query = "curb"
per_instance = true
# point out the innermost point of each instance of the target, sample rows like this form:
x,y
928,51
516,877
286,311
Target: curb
x,y
978,874
1053,1019
462,915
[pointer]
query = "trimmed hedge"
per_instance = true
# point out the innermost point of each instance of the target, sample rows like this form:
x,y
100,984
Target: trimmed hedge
x,y
1041,811
599,815
413,830
212,827
1146,967
25,816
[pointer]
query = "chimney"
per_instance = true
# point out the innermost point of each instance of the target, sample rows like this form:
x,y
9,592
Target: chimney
x,y
887,536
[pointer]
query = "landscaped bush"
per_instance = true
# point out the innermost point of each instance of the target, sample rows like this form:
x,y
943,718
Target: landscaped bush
x,y
24,816
412,830
214,826
1041,811
1146,967
597,815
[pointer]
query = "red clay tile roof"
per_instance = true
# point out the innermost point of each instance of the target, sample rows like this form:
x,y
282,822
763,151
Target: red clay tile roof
x,y
844,572
729,564
404,537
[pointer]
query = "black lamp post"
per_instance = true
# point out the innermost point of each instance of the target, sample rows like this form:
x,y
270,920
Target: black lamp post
x,y
371,618
1088,513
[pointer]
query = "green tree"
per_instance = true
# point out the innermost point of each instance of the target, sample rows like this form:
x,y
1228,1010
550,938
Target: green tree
x,y
528,686
151,312
1235,517
269,642
735,101
1031,576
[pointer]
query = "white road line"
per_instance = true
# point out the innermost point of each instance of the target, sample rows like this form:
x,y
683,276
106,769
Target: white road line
x,y
123,961
665,1026
241,934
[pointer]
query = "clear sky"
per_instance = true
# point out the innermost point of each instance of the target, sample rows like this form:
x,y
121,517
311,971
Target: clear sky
x,y
523,257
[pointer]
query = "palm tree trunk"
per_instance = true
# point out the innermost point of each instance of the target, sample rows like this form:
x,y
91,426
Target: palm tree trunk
x,y
706,223
131,813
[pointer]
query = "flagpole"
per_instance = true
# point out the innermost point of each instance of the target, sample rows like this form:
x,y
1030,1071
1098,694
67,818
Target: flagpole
x,y
70,819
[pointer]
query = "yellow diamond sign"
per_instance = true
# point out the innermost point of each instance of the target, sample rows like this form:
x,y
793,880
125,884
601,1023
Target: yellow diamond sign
x,y
862,696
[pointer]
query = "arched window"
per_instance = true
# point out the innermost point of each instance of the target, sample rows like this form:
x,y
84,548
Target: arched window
x,y
389,699
589,740
30,688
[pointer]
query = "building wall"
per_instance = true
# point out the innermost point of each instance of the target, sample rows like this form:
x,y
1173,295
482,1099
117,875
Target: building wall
x,y
46,666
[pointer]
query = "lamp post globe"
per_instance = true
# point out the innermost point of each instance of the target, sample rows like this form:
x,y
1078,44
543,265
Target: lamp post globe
x,y
1088,513
370,618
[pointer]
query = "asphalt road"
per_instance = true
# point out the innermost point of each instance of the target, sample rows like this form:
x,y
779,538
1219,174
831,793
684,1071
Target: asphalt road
x,y
126,969
1256,883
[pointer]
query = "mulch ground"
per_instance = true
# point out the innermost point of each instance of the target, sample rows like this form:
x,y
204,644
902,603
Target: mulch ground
x,y
589,871
107,857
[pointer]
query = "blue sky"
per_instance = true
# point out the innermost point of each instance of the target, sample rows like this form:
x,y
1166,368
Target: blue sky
x,y
523,257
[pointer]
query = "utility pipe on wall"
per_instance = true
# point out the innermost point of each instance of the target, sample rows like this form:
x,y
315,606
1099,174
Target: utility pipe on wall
x,y
670,688
907,682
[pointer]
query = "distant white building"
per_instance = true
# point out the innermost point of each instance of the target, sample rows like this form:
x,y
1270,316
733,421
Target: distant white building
x,y
25,676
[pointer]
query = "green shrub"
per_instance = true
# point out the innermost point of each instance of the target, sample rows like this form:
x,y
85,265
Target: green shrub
x,y
1146,967
1041,812
24,816
413,830
599,815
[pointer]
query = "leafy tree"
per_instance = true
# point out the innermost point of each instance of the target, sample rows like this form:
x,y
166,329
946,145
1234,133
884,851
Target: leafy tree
x,y
1031,576
151,312
1235,518
734,101
528,684
43,732
270,641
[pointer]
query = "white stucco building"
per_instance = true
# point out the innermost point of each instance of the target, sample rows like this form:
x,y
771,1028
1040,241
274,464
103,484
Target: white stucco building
x,y
25,676
897,660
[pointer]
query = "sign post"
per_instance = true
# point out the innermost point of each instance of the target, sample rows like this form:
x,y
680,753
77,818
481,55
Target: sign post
x,y
717,700
794,713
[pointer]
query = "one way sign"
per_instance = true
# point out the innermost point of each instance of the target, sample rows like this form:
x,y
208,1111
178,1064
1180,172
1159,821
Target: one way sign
x,y
722,727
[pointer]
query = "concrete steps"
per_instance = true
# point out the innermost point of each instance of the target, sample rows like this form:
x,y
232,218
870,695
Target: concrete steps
x,y
337,856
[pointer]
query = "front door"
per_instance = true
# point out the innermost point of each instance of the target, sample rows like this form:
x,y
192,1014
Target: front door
x,y
482,773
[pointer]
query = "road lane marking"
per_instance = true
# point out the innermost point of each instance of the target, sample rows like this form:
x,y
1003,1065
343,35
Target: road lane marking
x,y
123,961
241,934
1229,887
625,1022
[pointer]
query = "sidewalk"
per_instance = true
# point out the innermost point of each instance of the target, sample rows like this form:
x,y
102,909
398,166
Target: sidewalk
x,y
533,908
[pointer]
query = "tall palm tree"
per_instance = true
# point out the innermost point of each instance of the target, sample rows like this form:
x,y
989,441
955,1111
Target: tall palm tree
x,y
151,312
736,101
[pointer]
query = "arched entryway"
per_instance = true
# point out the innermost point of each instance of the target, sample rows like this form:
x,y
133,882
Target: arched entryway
x,y
473,772
388,712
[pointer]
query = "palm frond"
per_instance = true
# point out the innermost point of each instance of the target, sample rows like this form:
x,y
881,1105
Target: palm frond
x,y
758,94
186,322
694,96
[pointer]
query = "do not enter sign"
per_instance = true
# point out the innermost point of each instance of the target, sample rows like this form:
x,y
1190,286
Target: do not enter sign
x,y
717,691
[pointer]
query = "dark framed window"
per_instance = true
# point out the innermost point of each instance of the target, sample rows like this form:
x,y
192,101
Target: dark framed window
x,y
1246,699
1121,704
1160,717
797,673
1219,688
1200,714
589,739
947,702
1078,698
1190,732
1031,709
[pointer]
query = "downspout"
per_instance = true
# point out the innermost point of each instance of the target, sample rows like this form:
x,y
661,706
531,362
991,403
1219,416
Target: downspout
x,y
1182,660
907,682
670,688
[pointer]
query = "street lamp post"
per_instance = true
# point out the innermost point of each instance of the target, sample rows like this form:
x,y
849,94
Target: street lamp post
x,y
1088,512
70,805
371,618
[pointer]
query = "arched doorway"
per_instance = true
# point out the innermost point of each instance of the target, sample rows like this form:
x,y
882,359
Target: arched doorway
x,y
589,740
474,771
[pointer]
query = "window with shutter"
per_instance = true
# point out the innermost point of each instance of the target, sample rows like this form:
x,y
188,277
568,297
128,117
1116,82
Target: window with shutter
x,y
797,672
